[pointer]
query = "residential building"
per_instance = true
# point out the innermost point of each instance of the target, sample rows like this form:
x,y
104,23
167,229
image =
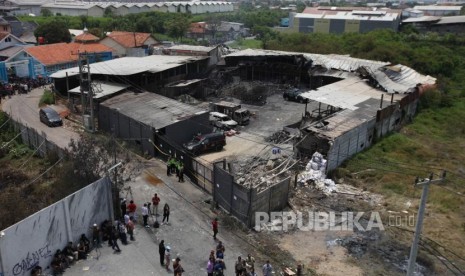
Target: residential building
x,y
129,43
86,37
22,30
44,60
199,31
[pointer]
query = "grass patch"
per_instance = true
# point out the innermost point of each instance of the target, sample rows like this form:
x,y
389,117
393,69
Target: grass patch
x,y
247,43
47,98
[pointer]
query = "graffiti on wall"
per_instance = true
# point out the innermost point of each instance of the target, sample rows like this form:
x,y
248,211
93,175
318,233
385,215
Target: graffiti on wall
x,y
31,260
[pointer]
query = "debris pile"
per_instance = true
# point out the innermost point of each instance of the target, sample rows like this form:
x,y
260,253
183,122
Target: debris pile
x,y
278,137
262,171
185,98
315,172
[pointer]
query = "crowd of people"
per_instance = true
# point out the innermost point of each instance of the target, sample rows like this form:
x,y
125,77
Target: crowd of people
x,y
17,85
63,259
123,230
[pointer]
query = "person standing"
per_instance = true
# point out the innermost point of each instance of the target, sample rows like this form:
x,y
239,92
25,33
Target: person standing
x,y
130,227
122,233
145,215
177,268
168,166
95,235
239,268
267,269
126,219
123,207
155,202
132,207
215,227
210,266
181,172
114,239
166,213
167,257
161,251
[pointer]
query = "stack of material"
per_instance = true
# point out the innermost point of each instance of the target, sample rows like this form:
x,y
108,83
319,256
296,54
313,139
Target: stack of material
x,y
315,171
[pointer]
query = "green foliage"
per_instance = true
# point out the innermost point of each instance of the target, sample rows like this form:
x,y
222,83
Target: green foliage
x,y
55,31
177,27
47,98
108,12
46,12
19,151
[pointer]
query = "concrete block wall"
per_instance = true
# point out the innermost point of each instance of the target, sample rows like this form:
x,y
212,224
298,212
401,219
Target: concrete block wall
x,y
34,240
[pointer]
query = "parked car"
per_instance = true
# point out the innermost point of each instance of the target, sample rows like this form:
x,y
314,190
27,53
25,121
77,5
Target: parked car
x,y
222,121
294,94
50,117
206,142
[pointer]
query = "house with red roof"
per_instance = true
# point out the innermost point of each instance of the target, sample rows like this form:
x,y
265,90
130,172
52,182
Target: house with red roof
x,y
129,43
86,37
199,31
43,60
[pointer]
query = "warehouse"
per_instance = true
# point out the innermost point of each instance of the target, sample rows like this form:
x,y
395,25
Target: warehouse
x,y
343,20
120,8
149,73
138,117
359,100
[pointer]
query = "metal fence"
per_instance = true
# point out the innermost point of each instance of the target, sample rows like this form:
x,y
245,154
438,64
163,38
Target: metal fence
x,y
242,202
35,140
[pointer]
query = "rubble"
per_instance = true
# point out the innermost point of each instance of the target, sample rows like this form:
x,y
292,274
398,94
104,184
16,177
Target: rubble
x,y
315,171
278,137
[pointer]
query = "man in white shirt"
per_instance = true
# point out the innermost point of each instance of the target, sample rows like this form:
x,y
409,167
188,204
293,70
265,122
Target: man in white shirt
x,y
145,214
267,269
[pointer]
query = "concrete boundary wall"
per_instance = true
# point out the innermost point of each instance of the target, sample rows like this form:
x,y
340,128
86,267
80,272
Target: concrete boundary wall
x,y
34,240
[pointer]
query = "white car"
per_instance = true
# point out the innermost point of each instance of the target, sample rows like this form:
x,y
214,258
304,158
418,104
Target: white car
x,y
222,121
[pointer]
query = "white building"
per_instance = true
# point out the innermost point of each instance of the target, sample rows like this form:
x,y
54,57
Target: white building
x,y
439,10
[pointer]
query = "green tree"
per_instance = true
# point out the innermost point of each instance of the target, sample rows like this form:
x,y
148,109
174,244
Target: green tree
x,y
53,32
177,27
108,12
46,12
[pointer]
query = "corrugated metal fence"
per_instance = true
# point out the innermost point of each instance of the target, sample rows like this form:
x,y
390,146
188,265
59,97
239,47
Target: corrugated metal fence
x,y
243,202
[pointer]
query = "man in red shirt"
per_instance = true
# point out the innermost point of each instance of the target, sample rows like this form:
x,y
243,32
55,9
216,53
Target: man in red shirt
x,y
132,209
155,202
215,227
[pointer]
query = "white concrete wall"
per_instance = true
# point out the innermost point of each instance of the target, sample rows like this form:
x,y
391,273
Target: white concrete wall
x,y
95,11
34,240
120,50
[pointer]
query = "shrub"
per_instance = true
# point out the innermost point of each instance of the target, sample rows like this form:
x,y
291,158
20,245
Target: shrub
x,y
47,98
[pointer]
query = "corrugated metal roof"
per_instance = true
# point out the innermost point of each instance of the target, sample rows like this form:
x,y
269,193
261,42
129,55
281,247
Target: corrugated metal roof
x,y
344,63
11,51
346,94
152,109
438,8
102,89
451,20
192,48
402,81
184,83
132,65
421,19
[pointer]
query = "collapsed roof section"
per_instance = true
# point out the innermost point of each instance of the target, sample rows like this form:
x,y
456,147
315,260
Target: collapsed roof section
x,y
383,75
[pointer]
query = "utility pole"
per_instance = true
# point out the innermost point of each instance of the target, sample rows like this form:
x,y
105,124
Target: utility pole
x,y
86,86
421,211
